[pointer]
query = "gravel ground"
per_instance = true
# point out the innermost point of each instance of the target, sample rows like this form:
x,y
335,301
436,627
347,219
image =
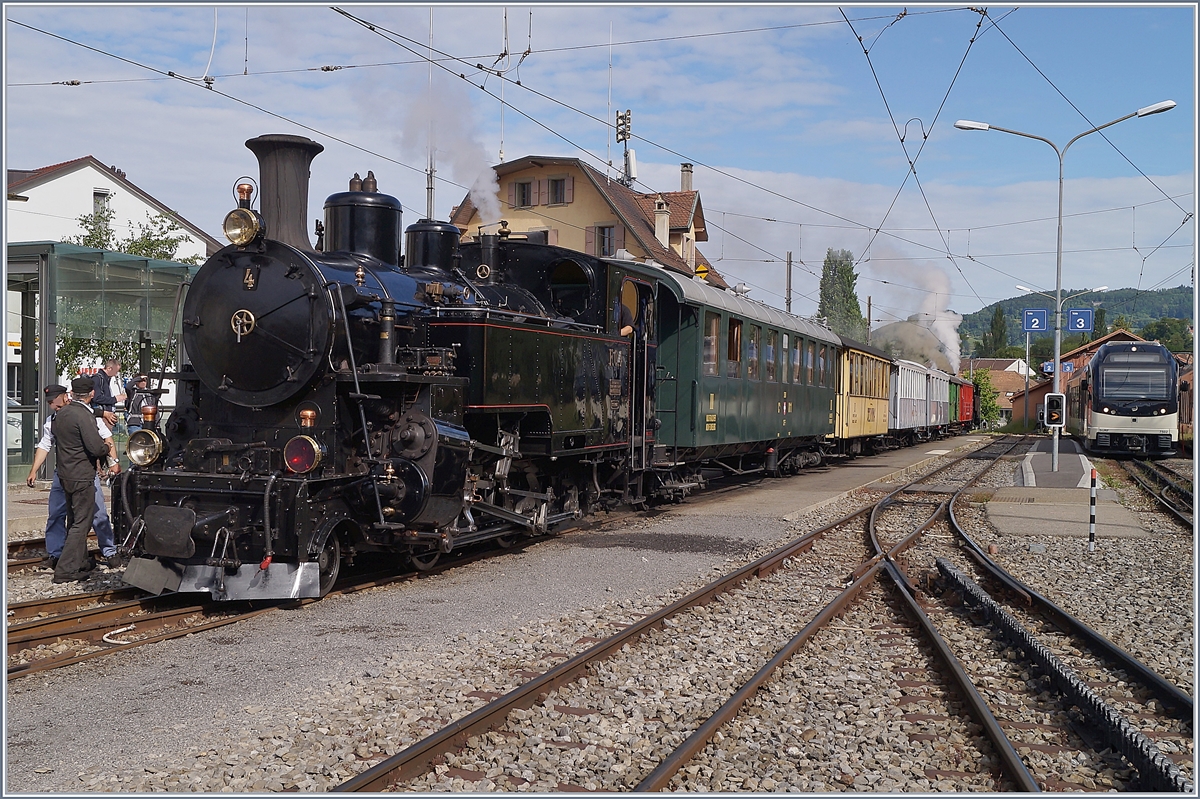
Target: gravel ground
x,y
253,707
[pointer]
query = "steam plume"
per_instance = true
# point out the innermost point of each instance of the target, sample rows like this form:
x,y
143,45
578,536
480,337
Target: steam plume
x,y
440,119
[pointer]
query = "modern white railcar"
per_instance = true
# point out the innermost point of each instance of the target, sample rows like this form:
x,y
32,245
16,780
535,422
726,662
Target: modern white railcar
x,y
1126,402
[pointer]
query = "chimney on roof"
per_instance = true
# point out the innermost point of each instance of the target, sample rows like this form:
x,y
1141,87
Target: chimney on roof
x,y
685,177
662,221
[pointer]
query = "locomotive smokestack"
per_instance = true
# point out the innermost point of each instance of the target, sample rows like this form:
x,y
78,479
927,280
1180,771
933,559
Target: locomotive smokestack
x,y
283,164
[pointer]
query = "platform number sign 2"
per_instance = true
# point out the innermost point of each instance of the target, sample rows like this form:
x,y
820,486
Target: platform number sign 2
x,y
1035,320
1079,320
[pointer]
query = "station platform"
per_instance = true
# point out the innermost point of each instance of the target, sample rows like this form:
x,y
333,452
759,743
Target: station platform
x,y
25,508
1045,502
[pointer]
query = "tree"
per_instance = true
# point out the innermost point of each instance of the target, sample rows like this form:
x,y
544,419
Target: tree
x,y
995,340
159,237
1099,325
839,300
985,395
1121,323
1174,334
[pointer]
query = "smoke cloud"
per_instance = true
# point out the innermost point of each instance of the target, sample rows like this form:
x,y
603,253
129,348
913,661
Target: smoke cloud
x,y
927,286
440,119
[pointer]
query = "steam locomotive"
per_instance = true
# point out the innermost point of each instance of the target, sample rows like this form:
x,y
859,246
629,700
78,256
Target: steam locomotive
x,y
346,400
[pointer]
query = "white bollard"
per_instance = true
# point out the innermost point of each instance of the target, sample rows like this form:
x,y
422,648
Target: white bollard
x,y
1092,525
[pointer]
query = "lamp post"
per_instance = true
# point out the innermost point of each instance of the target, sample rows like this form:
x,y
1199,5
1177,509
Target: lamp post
x,y
1058,304
966,124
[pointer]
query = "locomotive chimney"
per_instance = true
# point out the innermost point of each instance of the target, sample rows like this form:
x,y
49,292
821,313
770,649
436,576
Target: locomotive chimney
x,y
283,164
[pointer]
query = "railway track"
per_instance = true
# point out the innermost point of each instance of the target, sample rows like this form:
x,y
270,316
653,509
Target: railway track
x,y
51,633
781,592
581,717
1083,713
1170,489
29,552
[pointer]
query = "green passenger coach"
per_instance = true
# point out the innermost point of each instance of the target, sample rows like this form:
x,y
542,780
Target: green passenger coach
x,y
733,373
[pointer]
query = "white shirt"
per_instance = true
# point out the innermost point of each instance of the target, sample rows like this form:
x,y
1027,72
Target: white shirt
x,y
47,441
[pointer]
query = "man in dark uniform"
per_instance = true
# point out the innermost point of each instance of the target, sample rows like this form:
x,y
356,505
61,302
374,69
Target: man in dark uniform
x,y
78,449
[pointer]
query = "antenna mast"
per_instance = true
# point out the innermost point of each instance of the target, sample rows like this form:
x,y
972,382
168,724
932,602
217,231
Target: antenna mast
x,y
429,107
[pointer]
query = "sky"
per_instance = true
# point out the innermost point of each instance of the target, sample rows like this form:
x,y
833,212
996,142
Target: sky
x,y
805,123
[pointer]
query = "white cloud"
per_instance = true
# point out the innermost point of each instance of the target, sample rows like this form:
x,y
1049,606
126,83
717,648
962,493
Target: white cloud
x,y
794,112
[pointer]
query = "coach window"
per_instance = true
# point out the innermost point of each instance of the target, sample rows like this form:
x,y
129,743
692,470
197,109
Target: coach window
x,y
809,357
733,349
754,353
821,366
797,358
712,331
772,349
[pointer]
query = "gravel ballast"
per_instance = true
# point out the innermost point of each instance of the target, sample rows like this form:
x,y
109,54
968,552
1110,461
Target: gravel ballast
x,y
303,699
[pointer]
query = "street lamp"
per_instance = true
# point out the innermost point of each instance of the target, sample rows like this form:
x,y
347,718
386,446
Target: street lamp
x,y
967,124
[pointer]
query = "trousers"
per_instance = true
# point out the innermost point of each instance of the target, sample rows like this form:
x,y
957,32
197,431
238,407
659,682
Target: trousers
x,y
56,524
81,507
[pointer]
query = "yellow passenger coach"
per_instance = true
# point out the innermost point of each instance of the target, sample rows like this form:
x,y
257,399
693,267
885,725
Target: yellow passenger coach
x,y
861,418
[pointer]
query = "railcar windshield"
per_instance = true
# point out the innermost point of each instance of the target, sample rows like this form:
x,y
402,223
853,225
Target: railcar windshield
x,y
1136,375
1127,383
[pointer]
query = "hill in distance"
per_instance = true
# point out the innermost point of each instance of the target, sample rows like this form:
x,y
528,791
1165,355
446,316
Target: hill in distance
x,y
1139,307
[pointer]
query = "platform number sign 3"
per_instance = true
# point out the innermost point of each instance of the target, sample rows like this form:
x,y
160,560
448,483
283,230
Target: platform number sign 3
x,y
1035,320
1079,320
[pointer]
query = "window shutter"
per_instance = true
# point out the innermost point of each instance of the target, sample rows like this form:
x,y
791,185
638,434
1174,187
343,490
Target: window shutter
x,y
544,192
618,238
512,194
569,189
552,237
589,240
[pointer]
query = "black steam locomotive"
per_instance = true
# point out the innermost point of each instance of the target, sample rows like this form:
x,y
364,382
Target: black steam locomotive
x,y
342,400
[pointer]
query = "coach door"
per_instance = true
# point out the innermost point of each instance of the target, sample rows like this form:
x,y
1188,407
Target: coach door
x,y
637,308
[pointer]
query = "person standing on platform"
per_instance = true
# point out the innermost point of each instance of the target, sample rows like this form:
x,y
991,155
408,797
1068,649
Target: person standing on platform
x,y
78,452
106,401
56,523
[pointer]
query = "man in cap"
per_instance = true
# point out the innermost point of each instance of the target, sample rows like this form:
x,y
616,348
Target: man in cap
x,y
56,524
139,398
78,452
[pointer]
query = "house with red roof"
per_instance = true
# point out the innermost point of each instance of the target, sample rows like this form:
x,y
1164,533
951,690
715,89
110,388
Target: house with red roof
x,y
566,202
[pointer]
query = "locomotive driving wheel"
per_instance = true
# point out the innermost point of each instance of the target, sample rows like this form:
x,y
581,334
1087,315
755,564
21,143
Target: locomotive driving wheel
x,y
426,559
329,563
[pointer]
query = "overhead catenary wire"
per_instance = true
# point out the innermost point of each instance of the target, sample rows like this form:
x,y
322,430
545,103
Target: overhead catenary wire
x,y
912,160
1103,135
852,224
